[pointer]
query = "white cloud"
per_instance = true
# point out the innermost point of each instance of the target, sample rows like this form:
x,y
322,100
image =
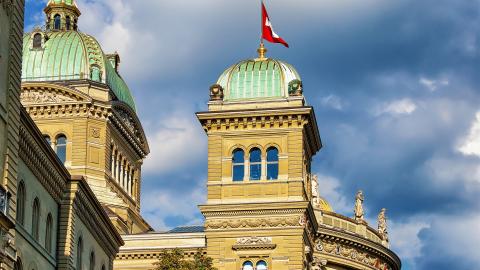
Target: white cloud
x,y
329,188
433,85
404,237
178,142
470,145
158,204
333,101
398,107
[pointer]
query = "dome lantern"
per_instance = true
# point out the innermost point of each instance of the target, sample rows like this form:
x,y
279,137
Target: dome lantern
x,y
62,15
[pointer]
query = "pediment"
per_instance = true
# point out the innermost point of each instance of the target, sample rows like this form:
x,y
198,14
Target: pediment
x,y
130,120
44,93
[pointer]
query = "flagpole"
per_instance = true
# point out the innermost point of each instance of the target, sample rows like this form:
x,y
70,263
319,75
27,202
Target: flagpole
x,y
261,50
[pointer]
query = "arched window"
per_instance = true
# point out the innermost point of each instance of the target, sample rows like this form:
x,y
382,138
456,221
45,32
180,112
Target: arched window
x,y
47,139
68,22
261,265
272,163
18,265
35,218
95,74
75,24
238,161
37,41
56,22
119,168
248,265
103,267
92,261
255,164
21,203
61,147
48,233
79,253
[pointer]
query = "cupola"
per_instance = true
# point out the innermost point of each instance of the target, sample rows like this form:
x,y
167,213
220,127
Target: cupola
x,y
62,15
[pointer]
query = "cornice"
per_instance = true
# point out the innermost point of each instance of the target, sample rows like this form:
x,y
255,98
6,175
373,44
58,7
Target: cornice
x,y
154,254
247,209
87,206
41,159
340,238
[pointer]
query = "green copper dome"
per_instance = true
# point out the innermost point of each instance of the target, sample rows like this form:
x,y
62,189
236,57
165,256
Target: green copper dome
x,y
262,78
70,55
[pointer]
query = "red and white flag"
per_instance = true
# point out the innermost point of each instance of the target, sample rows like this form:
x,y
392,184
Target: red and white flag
x,y
267,29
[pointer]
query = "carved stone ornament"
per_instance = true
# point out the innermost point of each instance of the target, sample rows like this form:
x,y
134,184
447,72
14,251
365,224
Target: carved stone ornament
x,y
33,96
128,121
7,5
382,225
216,92
274,222
318,263
254,243
351,253
95,132
295,88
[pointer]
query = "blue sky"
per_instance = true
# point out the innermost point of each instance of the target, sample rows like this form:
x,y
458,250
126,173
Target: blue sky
x,y
395,85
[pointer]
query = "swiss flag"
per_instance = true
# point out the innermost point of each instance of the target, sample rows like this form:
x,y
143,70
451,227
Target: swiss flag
x,y
267,29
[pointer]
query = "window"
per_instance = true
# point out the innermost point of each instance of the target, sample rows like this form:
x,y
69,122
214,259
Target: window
x,y
61,147
114,170
103,267
95,74
21,203
119,168
48,234
75,24
272,163
248,265
255,164
261,265
92,261
56,22
79,253
35,218
68,22
238,161
37,41
18,265
47,139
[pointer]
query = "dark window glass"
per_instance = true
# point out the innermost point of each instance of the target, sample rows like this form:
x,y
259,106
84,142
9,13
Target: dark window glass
x,y
79,254
35,218
92,261
68,22
103,267
272,163
238,165
47,139
18,265
21,203
48,234
255,164
56,22
37,41
61,148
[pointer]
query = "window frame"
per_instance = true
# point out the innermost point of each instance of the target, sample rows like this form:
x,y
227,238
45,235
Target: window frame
x,y
255,164
239,164
36,219
270,163
63,145
21,199
49,233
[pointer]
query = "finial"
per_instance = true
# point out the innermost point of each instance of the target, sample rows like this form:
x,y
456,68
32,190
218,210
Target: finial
x,y
261,51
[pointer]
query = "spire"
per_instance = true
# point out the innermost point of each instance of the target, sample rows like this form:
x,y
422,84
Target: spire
x,y
62,15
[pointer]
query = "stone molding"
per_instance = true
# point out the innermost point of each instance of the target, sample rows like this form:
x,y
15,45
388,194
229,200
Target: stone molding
x,y
142,255
253,242
271,222
41,160
358,249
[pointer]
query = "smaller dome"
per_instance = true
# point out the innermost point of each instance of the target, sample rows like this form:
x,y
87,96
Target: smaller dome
x,y
324,205
66,2
260,78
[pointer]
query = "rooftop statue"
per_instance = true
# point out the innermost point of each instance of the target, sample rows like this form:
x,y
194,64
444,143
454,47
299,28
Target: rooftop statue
x,y
359,213
382,225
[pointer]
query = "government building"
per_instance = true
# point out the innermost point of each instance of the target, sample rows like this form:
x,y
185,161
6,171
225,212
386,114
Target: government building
x,y
72,149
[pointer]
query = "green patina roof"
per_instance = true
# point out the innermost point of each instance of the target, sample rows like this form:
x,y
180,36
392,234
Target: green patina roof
x,y
71,55
254,78
67,2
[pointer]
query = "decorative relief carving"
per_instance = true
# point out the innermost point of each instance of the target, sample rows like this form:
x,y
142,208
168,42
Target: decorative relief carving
x,y
253,122
7,5
254,243
128,121
273,222
38,96
350,253
95,132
